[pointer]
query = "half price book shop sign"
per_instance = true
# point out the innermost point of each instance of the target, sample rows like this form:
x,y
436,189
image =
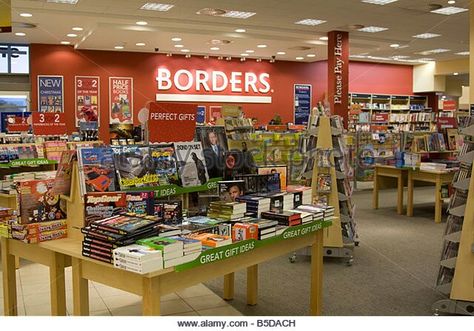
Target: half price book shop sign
x,y
171,122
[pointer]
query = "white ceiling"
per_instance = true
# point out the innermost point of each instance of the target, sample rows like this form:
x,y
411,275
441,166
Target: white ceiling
x,y
108,23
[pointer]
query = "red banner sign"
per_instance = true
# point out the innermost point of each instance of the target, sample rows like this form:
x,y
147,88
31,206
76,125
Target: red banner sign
x,y
121,100
380,118
449,105
49,124
171,122
17,124
446,123
87,99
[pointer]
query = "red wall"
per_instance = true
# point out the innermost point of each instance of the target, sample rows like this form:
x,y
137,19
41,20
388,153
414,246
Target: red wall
x,y
64,60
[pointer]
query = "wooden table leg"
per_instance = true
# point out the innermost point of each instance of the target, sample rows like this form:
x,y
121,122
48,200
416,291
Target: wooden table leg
x,y
410,194
252,285
10,306
438,200
57,285
229,286
316,294
80,289
375,192
400,195
17,262
151,296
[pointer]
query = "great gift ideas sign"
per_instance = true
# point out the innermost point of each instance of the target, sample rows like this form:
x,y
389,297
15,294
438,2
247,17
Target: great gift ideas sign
x,y
171,122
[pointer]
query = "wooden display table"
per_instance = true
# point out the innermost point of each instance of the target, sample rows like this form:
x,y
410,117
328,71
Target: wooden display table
x,y
438,178
383,178
58,254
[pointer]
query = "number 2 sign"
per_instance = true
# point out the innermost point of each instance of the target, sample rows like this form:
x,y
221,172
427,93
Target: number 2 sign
x,y
46,124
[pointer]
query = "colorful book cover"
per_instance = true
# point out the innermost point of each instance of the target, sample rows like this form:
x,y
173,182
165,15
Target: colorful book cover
x,y
214,143
62,184
229,190
100,205
140,203
165,164
96,169
124,224
37,203
134,166
191,164
282,170
54,149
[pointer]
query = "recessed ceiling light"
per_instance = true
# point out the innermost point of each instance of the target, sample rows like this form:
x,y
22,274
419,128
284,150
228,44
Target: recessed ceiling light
x,y
311,55
238,14
141,23
449,10
176,39
20,34
310,21
188,56
156,6
395,45
140,44
244,54
179,46
228,58
324,38
463,53
71,35
379,2
427,35
281,53
425,59
249,51
451,2
118,47
26,15
259,60
455,73
261,46
300,58
65,42
357,56
240,30
69,2
397,57
214,48
435,51
372,29
185,50
77,28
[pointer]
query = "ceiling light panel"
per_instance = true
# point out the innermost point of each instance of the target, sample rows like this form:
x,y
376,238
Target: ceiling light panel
x,y
427,35
463,53
372,29
379,2
310,22
238,14
69,2
156,6
434,51
449,10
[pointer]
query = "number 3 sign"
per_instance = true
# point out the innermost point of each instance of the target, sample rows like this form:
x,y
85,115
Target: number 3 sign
x,y
48,124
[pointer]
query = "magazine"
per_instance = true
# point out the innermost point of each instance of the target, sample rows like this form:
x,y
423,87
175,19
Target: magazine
x,y
191,164
164,164
134,166
96,169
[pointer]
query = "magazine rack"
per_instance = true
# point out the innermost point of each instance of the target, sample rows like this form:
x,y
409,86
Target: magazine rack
x,y
461,287
332,237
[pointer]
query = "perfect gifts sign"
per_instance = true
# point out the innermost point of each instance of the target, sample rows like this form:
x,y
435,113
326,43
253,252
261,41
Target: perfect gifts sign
x,y
171,122
87,99
121,100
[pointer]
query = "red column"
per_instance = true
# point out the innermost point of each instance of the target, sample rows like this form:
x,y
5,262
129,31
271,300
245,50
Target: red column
x,y
338,73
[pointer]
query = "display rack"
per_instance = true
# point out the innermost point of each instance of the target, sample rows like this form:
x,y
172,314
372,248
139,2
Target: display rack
x,y
335,241
456,272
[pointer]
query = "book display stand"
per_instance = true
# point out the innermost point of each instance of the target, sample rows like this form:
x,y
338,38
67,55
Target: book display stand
x,y
456,272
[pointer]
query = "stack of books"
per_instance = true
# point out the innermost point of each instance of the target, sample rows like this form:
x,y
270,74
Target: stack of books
x,y
37,232
138,258
172,250
306,217
316,212
190,246
285,218
166,230
211,240
227,211
103,236
266,228
244,231
288,201
302,194
255,205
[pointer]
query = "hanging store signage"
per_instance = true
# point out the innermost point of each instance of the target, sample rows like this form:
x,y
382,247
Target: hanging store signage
x,y
5,16
338,72
213,86
446,123
302,106
50,94
87,97
121,100
14,59
171,122
17,123
449,105
49,124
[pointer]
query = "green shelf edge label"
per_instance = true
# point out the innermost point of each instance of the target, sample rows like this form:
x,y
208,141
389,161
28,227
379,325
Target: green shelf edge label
x,y
241,247
27,163
169,190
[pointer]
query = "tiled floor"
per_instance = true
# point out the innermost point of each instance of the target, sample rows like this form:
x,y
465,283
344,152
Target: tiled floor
x,y
34,300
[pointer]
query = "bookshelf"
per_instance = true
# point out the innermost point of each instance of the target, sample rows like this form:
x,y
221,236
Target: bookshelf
x,y
456,270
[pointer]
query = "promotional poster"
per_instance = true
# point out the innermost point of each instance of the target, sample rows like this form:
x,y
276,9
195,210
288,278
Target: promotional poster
x,y
121,100
87,99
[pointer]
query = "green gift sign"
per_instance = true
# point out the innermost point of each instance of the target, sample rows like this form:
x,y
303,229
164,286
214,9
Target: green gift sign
x,y
169,190
30,162
242,247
